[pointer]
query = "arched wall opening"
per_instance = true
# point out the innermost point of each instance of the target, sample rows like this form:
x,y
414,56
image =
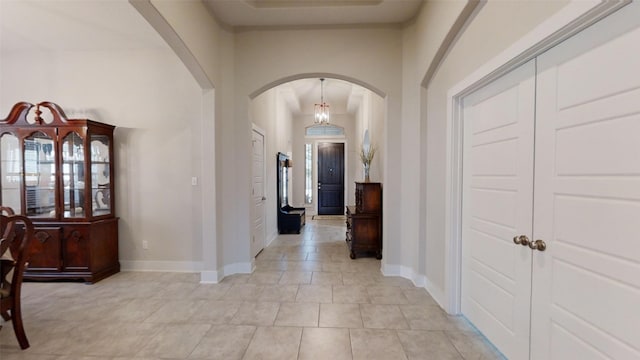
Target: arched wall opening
x,y
265,58
284,109
318,75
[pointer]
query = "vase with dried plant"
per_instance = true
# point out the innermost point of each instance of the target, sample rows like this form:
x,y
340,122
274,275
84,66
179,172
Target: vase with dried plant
x,y
366,156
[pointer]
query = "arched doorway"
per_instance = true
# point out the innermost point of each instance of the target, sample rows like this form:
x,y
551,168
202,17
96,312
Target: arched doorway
x,y
285,110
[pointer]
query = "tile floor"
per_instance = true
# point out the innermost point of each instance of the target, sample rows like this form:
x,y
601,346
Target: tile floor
x,y
305,300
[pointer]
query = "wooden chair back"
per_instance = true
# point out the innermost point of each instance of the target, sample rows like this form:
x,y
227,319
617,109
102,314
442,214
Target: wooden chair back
x,y
17,231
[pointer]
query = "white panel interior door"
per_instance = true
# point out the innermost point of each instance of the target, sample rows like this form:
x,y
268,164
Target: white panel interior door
x,y
586,285
257,190
497,205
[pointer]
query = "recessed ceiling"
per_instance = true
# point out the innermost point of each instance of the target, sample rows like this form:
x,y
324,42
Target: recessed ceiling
x,y
306,3
288,13
337,93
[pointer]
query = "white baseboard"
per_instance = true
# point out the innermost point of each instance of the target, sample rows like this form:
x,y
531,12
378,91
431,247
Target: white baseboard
x,y
271,237
436,293
206,276
391,270
418,280
237,268
397,270
405,272
168,266
209,277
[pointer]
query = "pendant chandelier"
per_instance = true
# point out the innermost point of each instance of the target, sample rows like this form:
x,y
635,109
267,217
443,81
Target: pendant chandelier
x,y
322,114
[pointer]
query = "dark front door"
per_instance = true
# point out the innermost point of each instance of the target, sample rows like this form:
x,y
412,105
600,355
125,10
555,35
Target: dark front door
x,y
330,178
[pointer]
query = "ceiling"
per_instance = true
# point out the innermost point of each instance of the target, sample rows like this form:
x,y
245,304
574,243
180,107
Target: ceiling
x,y
69,25
99,25
301,95
283,13
343,97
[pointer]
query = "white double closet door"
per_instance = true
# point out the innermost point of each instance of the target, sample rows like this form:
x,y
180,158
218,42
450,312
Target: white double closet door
x,y
552,153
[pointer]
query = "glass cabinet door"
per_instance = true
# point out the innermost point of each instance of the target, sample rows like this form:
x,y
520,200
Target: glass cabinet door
x,y
73,176
10,172
100,177
40,175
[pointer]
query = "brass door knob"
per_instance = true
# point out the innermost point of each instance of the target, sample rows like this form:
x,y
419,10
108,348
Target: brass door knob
x,y
538,245
521,240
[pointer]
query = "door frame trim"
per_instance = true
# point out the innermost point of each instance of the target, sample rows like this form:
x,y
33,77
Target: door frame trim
x,y
574,17
345,175
261,131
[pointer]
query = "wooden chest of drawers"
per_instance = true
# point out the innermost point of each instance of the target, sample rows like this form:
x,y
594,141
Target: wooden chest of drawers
x,y
364,221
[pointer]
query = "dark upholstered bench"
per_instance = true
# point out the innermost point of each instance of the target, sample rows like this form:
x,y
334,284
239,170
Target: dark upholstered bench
x,y
291,219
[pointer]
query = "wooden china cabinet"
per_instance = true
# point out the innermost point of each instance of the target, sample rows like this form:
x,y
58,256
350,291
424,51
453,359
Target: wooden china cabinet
x,y
59,173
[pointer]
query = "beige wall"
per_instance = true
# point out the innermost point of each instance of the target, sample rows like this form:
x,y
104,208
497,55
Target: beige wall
x,y
154,142
370,116
270,113
421,39
231,68
199,32
208,51
414,128
482,40
370,57
391,61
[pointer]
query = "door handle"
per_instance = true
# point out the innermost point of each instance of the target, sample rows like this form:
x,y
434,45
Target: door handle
x,y
264,198
521,240
538,245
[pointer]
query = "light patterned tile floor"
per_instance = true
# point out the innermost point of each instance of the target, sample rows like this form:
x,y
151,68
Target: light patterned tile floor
x,y
305,300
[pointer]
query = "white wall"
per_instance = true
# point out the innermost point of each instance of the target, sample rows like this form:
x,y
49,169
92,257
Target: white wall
x,y
154,103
